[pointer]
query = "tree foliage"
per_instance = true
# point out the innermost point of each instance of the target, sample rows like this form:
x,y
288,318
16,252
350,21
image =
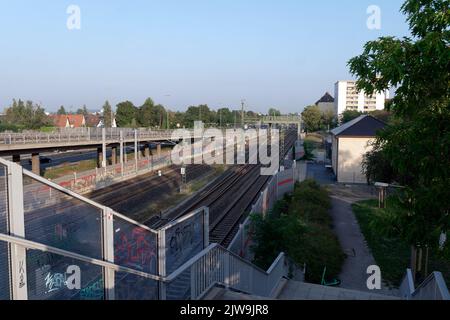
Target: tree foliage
x,y
107,115
349,115
273,112
126,112
312,118
84,111
417,142
300,226
26,114
62,111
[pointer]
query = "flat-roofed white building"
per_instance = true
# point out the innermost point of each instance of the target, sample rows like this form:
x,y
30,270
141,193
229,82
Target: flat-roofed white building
x,y
347,97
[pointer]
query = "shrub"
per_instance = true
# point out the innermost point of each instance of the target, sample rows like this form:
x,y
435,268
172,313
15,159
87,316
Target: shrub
x,y
299,225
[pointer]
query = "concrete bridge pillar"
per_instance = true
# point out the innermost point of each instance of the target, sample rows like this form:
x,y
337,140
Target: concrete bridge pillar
x,y
114,156
147,151
99,157
16,158
35,163
158,150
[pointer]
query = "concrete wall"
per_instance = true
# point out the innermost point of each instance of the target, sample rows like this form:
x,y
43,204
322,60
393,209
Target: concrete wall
x,y
334,154
350,156
326,106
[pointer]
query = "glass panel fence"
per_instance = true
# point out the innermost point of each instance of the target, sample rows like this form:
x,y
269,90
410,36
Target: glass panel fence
x,y
135,247
4,272
183,241
54,277
3,199
133,287
58,220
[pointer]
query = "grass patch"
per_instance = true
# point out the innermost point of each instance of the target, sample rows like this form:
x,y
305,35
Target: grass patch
x,y
391,253
170,200
300,226
67,168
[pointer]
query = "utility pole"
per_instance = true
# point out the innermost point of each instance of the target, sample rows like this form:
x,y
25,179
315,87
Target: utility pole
x,y
243,113
168,126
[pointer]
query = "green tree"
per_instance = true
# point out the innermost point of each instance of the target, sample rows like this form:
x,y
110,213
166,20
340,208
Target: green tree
x,y
126,112
151,115
226,117
328,119
107,115
274,112
26,114
198,113
382,115
84,111
62,111
417,143
349,115
312,118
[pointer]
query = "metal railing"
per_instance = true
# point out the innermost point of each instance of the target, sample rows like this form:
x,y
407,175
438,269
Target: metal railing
x,y
218,266
73,135
432,288
53,234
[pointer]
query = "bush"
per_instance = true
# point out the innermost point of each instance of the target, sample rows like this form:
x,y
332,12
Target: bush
x,y
308,146
299,225
10,127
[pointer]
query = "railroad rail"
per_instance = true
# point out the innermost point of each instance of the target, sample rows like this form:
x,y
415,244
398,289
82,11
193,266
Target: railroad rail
x,y
229,200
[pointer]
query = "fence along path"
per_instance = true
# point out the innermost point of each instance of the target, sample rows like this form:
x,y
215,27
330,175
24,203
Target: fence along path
x,y
56,244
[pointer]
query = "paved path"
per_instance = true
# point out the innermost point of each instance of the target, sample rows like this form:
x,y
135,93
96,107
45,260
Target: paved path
x,y
346,227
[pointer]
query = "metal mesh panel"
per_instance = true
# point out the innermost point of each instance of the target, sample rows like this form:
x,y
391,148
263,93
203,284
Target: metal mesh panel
x,y
61,221
4,272
132,287
4,265
3,199
135,247
183,241
55,277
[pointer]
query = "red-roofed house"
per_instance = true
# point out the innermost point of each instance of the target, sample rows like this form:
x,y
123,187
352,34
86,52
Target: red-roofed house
x,y
69,121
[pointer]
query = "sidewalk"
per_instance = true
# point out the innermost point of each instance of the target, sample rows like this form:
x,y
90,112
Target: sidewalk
x,y
346,228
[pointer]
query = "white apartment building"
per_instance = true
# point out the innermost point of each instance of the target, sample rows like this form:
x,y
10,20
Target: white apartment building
x,y
347,97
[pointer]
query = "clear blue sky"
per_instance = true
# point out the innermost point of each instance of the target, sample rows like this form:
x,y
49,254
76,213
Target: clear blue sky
x,y
284,53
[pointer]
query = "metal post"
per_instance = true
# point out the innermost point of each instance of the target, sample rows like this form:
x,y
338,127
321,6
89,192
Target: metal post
x,y
136,150
121,152
108,249
205,227
162,263
104,147
17,228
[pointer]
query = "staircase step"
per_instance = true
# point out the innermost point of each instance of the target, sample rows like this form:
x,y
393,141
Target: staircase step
x,y
305,291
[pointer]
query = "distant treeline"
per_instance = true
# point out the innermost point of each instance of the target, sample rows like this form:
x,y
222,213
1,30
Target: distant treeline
x,y
30,116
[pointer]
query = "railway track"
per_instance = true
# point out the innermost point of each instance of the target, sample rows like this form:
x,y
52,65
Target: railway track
x,y
229,200
224,227
121,195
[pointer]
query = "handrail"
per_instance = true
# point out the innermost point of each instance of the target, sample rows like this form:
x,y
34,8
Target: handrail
x,y
77,196
189,263
211,247
440,283
407,284
45,248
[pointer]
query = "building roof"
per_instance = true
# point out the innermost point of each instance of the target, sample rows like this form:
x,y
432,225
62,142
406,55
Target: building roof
x,y
92,120
75,120
363,126
327,98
